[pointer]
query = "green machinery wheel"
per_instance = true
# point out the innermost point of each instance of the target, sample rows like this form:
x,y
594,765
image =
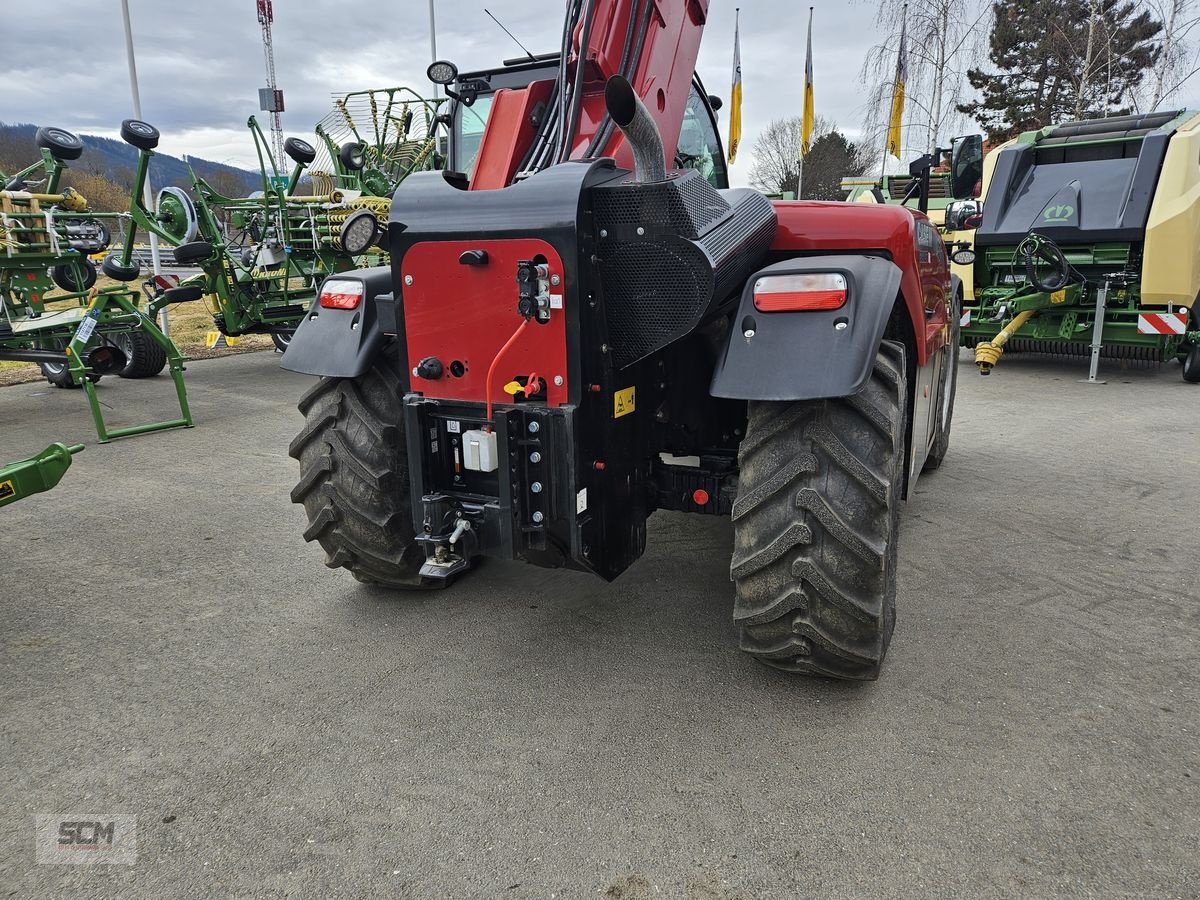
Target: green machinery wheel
x,y
176,213
1191,365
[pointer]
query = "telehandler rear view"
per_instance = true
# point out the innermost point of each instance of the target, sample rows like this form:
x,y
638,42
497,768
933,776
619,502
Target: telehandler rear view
x,y
579,328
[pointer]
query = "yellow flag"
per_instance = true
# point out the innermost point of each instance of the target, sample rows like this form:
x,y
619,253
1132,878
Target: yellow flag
x,y
806,129
735,98
893,141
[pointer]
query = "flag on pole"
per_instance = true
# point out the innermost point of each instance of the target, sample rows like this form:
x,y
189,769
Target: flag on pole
x,y
806,129
735,96
893,141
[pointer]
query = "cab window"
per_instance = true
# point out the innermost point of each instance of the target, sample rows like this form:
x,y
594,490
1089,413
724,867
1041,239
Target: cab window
x,y
699,146
469,123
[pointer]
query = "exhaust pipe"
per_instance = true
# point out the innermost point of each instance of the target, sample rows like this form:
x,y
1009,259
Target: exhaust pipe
x,y
632,117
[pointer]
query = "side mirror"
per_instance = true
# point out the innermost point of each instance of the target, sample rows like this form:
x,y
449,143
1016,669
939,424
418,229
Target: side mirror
x,y
962,215
966,165
715,103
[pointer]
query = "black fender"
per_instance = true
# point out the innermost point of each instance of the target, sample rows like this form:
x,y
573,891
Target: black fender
x,y
340,343
812,354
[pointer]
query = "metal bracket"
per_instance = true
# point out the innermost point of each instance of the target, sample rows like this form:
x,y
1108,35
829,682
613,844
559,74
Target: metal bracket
x,y
1097,334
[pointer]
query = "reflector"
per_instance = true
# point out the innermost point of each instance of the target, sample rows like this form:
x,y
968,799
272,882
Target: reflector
x,y
797,292
341,294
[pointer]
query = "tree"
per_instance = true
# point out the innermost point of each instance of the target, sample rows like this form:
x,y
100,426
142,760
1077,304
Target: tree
x,y
831,157
1059,60
943,37
1178,60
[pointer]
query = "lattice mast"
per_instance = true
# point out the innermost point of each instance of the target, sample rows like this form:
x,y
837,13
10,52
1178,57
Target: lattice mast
x,y
270,98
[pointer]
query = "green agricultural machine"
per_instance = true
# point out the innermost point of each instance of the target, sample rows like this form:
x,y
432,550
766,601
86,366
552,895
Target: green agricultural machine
x,y
38,473
79,332
263,257
372,140
1089,243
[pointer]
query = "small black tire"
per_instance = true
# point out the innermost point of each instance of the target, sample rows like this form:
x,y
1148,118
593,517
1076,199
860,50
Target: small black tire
x,y
61,143
282,339
949,387
815,526
111,266
299,151
1191,365
59,375
64,276
194,252
354,476
353,156
139,134
146,357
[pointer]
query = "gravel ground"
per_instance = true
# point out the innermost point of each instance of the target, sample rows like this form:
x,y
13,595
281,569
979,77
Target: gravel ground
x,y
172,650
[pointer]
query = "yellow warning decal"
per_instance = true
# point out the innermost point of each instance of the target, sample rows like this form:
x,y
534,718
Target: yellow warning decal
x,y
1058,297
623,402
7,489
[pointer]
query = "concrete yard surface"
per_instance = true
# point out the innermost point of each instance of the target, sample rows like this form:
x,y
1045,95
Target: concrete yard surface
x,y
172,650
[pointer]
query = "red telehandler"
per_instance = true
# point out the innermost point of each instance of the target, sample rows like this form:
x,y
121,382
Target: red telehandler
x,y
579,328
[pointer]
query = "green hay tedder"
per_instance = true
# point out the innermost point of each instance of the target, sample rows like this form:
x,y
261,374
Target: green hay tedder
x,y
263,257
80,332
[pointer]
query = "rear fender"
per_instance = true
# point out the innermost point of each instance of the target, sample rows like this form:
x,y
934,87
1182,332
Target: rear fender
x,y
340,343
813,354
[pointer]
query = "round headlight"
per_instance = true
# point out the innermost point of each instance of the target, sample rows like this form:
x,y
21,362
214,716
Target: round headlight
x,y
359,232
442,72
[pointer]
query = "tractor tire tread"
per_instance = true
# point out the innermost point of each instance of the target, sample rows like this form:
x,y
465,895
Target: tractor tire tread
x,y
815,526
354,477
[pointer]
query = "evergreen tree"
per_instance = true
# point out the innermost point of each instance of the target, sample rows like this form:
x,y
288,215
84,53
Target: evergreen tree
x,y
1060,60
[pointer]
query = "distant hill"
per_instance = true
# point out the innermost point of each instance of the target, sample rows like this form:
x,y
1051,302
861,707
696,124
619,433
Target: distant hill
x,y
115,161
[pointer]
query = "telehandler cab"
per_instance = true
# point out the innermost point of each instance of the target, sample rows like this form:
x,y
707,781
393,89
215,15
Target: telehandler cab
x,y
578,328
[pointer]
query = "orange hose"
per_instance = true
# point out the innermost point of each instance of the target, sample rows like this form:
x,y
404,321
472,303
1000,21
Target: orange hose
x,y
495,361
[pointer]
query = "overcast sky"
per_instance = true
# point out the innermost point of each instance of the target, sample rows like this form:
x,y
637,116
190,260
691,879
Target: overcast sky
x,y
200,63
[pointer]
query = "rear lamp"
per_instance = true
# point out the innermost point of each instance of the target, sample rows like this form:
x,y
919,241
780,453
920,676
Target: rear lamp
x,y
442,71
359,232
804,291
341,294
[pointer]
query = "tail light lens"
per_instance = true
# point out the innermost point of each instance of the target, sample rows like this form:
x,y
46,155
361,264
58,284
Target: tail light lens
x,y
341,294
800,292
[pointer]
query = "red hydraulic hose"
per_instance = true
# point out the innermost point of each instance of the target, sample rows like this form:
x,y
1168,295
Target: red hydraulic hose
x,y
492,368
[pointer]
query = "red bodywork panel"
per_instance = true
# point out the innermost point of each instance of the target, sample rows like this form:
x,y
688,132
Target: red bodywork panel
x,y
464,313
507,135
662,80
813,226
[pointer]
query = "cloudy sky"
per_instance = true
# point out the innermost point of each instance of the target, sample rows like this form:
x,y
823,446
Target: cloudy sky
x,y
200,63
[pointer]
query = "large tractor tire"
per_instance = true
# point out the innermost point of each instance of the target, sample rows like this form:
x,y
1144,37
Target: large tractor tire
x,y
354,477
945,413
815,526
146,357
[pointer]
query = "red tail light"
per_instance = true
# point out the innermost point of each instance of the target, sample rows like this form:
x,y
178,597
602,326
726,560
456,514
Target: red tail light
x,y
341,294
799,292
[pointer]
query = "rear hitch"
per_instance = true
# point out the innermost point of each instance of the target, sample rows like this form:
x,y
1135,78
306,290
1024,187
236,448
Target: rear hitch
x,y
448,554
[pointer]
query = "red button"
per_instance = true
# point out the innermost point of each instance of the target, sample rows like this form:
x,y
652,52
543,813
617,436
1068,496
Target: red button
x,y
700,497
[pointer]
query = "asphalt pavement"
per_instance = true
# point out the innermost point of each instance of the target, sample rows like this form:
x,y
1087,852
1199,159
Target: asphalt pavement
x,y
172,650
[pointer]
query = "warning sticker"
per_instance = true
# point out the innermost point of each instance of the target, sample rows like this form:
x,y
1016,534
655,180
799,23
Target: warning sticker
x,y
623,402
581,501
7,490
454,427
1059,297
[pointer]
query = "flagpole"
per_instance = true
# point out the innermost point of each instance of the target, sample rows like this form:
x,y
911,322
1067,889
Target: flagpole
x,y
895,81
807,69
